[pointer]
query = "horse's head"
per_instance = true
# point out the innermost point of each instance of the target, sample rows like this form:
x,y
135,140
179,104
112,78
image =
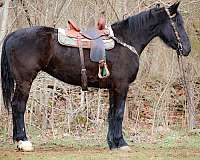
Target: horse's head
x,y
172,30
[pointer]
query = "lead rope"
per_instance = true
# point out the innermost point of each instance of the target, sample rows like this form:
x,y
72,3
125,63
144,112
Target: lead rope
x,y
181,68
182,73
185,85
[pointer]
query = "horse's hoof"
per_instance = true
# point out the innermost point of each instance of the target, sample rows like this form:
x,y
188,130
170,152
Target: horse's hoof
x,y
125,148
25,146
114,149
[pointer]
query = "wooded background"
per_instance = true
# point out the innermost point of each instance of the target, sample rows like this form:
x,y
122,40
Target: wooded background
x,y
156,101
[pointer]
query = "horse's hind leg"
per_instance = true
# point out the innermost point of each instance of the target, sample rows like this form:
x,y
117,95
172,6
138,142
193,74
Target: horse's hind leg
x,y
117,98
18,103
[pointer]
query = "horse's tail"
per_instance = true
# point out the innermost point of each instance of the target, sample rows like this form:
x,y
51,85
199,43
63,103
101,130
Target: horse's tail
x,y
7,79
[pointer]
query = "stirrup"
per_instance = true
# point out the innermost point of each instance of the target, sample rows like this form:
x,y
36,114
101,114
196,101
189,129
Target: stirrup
x,y
103,70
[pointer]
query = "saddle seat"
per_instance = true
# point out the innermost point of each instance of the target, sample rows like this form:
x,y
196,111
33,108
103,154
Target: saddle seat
x,y
75,32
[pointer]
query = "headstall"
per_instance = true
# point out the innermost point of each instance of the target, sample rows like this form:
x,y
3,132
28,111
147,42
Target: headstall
x,y
179,47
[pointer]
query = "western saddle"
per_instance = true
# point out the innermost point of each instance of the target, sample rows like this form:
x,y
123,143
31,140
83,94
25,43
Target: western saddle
x,y
84,41
75,32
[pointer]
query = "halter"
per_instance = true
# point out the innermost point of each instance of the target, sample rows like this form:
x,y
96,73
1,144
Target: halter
x,y
180,46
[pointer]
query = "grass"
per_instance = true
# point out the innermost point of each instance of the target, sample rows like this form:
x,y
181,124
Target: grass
x,y
173,146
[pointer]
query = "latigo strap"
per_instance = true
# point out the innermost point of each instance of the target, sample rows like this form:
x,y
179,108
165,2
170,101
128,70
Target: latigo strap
x,y
84,83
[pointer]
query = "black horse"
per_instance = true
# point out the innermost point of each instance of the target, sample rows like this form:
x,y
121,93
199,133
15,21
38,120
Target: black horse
x,y
27,51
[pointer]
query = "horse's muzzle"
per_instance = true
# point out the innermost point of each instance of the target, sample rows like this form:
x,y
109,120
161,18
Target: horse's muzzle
x,y
182,50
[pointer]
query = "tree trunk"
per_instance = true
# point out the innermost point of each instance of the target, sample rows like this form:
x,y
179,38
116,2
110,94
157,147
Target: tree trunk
x,y
2,35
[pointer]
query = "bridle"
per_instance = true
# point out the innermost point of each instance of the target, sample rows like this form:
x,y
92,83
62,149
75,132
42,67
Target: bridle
x,y
179,49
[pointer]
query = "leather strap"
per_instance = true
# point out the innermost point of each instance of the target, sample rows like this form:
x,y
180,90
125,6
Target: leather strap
x,y
179,47
81,53
83,69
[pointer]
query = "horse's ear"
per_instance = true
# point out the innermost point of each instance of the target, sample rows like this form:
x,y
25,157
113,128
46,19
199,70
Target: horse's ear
x,y
173,8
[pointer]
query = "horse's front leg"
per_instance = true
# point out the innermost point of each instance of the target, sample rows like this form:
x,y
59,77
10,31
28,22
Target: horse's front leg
x,y
117,98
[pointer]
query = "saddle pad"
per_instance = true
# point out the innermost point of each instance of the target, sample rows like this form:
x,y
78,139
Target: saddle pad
x,y
86,43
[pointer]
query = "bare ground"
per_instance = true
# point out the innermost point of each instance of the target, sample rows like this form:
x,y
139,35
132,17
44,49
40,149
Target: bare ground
x,y
95,153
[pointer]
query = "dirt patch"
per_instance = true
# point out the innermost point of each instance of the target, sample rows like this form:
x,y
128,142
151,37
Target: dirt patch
x,y
100,153
48,152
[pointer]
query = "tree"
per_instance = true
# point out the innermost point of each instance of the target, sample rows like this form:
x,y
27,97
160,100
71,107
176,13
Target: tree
x,y
2,35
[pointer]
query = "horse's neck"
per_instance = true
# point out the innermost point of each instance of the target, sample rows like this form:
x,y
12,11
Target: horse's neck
x,y
137,37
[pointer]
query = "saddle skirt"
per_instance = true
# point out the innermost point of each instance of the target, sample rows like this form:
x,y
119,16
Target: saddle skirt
x,y
69,37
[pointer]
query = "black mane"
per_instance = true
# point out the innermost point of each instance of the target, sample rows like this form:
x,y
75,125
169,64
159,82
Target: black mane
x,y
144,23
138,22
